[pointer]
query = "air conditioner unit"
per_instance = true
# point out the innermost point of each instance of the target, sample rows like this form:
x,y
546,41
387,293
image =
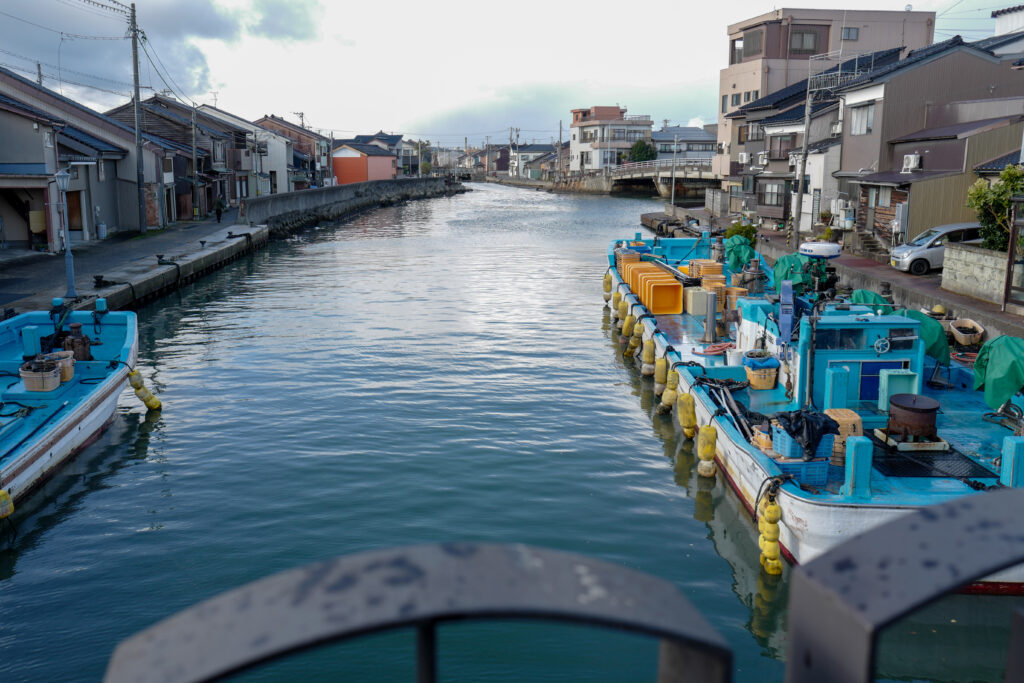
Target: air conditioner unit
x,y
837,129
762,158
744,158
911,162
794,159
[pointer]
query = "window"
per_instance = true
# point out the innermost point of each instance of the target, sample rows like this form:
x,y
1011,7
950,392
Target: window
x,y
754,94
735,191
754,132
862,119
736,51
746,96
725,104
584,158
803,42
851,33
780,145
884,196
748,184
751,43
735,99
772,194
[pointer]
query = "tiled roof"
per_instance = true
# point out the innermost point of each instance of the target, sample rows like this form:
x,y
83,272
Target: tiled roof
x,y
1006,10
369,150
81,137
685,133
897,178
880,59
23,169
999,163
914,57
993,42
32,111
952,131
292,126
795,114
822,145
536,147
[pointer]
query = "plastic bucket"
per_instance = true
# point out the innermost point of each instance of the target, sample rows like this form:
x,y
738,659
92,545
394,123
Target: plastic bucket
x,y
734,357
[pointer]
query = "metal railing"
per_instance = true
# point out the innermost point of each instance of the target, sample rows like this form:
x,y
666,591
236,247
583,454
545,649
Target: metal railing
x,y
661,164
420,587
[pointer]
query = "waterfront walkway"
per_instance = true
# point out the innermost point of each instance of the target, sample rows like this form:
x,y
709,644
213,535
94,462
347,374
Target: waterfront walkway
x,y
29,280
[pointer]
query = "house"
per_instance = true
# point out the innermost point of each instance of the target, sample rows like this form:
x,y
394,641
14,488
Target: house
x,y
222,172
520,155
314,146
272,152
772,51
683,142
770,138
931,170
357,163
891,111
99,152
601,137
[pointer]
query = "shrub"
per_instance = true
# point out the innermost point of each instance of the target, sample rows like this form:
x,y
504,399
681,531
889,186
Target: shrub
x,y
992,204
642,151
746,229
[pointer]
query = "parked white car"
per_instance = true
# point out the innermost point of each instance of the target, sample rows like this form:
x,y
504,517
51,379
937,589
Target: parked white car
x,y
927,250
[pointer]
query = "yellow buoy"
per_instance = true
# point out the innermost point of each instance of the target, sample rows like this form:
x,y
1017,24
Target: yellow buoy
x,y
623,309
634,341
144,394
773,567
707,441
686,414
616,300
772,512
608,282
770,549
647,356
627,326
770,531
6,504
660,375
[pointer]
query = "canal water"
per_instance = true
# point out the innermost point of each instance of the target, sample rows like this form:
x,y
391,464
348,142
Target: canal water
x,y
441,370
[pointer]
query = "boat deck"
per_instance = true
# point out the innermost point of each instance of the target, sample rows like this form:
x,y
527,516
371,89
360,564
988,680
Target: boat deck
x,y
896,479
26,415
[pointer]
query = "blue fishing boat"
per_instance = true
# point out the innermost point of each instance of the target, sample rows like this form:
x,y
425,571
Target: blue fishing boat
x,y
61,373
828,413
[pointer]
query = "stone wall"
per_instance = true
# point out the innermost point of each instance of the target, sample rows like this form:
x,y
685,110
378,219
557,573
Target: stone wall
x,y
289,211
971,270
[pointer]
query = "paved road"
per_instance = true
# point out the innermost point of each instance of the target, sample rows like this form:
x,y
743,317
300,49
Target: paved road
x,y
25,276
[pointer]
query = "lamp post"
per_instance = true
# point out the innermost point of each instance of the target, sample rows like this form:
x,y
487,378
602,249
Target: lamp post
x,y
62,178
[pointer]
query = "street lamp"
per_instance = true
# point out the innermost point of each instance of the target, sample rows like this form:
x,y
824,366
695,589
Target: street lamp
x,y
63,178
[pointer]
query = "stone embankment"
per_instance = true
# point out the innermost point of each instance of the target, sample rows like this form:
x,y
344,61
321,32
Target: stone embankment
x,y
282,213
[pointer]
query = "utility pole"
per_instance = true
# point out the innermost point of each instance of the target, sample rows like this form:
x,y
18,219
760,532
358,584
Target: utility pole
x,y
302,118
214,93
794,239
195,169
39,73
558,156
419,159
140,178
675,148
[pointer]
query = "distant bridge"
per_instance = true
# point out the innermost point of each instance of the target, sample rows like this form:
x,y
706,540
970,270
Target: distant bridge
x,y
692,177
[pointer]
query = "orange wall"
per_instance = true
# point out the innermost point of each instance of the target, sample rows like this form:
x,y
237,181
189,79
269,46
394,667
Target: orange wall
x,y
350,169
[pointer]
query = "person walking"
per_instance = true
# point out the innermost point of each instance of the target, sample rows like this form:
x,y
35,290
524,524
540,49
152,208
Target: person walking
x,y
219,208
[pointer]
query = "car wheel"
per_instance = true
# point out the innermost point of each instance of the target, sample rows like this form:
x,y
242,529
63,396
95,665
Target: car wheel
x,y
919,267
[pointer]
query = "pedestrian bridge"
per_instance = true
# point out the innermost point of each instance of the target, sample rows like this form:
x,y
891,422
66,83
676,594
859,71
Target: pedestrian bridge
x,y
692,177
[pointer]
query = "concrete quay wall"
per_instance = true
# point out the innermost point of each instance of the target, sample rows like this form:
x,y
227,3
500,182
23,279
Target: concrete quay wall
x,y
977,272
285,212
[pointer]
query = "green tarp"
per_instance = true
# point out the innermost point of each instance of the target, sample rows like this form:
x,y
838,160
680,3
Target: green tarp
x,y
934,337
866,297
738,252
791,267
1000,369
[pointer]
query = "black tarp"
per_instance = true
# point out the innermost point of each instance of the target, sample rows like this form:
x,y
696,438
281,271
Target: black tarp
x,y
807,427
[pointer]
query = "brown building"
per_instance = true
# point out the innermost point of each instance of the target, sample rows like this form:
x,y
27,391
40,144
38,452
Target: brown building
x,y
770,52
907,126
315,147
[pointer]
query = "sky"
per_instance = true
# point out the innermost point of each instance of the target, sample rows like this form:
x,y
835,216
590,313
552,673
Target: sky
x,y
441,71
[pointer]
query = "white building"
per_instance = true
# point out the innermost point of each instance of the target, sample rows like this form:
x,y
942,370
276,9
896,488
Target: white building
x,y
520,155
271,166
601,137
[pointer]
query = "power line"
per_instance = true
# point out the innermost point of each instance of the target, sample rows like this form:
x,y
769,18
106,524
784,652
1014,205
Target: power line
x,y
65,70
146,45
76,36
104,6
54,77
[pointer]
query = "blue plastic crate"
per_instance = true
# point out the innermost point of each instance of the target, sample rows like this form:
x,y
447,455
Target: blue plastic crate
x,y
810,472
785,446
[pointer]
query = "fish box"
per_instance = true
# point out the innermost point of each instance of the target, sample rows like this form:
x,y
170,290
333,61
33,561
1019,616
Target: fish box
x,y
40,375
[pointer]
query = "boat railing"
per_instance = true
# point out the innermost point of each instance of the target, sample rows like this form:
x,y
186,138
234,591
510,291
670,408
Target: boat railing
x,y
420,587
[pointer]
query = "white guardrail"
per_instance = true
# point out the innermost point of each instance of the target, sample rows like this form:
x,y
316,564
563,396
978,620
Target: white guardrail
x,y
661,164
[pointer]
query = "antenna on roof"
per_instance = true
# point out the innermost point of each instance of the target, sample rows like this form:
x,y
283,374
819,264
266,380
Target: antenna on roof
x,y
214,93
302,118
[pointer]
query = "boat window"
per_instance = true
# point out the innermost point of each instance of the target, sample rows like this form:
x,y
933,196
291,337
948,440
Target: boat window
x,y
839,340
902,339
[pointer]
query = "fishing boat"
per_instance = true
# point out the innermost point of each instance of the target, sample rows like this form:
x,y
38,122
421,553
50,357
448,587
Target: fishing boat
x,y
827,414
61,373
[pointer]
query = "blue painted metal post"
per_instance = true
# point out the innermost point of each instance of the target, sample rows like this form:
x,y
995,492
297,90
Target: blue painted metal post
x,y
1012,471
837,384
859,452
